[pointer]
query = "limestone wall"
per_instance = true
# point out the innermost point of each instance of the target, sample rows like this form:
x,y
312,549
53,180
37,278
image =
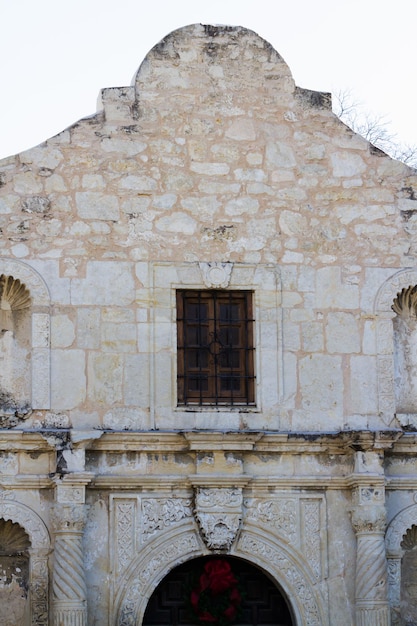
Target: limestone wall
x,y
213,155
213,171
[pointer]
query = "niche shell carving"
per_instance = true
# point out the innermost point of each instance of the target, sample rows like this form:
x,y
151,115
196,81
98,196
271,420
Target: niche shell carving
x,y
219,513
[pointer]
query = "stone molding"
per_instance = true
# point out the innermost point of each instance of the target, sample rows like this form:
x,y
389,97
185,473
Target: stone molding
x,y
30,521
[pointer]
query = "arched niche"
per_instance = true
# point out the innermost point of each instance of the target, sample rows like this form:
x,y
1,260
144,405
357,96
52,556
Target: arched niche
x,y
394,537
405,349
243,592
159,557
14,574
38,536
395,326
15,347
24,342
408,588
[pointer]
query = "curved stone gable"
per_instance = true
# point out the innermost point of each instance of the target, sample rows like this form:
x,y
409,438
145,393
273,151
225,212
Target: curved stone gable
x,y
210,57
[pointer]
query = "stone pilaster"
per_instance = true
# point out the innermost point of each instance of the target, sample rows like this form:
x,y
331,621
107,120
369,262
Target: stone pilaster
x,y
69,592
371,588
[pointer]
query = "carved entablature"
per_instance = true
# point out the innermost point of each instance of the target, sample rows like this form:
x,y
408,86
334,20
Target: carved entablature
x,y
218,512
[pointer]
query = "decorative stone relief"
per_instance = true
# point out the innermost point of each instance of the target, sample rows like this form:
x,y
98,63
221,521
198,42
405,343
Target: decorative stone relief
x,y
219,513
13,297
369,495
153,565
392,286
216,275
311,535
296,520
68,494
160,513
39,590
280,513
125,522
295,582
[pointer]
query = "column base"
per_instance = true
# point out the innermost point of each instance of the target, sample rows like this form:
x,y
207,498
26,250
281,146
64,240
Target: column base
x,y
373,615
67,615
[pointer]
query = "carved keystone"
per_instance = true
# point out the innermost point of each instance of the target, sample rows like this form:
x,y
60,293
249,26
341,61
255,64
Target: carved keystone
x,y
218,512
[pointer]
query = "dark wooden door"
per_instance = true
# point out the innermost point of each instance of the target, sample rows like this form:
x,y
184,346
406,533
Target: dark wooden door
x,y
262,603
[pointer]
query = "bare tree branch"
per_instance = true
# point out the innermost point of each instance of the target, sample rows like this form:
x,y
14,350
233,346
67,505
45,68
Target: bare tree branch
x,y
375,128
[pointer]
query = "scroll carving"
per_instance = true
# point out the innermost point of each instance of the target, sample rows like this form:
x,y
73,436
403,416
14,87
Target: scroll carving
x,y
219,513
162,513
280,513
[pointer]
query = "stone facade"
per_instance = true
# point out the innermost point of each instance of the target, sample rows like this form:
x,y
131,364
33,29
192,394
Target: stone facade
x,y
213,171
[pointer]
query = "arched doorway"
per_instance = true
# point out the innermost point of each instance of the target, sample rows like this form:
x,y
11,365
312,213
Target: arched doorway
x,y
256,598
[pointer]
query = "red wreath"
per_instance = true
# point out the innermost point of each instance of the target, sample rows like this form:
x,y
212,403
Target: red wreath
x,y
216,598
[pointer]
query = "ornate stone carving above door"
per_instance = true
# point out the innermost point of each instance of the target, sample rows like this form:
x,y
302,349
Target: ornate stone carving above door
x,y
218,513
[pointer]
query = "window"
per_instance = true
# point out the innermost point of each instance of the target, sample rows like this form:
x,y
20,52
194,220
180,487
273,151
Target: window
x,y
215,348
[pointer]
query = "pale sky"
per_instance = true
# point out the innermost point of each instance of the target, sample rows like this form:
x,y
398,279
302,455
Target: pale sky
x,y
56,55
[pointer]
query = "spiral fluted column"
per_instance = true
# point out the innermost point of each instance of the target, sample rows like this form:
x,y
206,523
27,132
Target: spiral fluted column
x,y
371,588
69,591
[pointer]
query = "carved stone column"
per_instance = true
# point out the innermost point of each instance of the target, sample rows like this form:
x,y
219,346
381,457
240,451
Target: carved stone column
x,y
69,590
371,589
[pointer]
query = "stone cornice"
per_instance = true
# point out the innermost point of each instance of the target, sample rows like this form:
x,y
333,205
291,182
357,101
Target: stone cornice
x,y
16,440
28,481
394,483
343,442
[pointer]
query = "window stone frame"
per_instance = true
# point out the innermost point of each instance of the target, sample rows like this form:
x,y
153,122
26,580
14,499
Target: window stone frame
x,y
264,281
